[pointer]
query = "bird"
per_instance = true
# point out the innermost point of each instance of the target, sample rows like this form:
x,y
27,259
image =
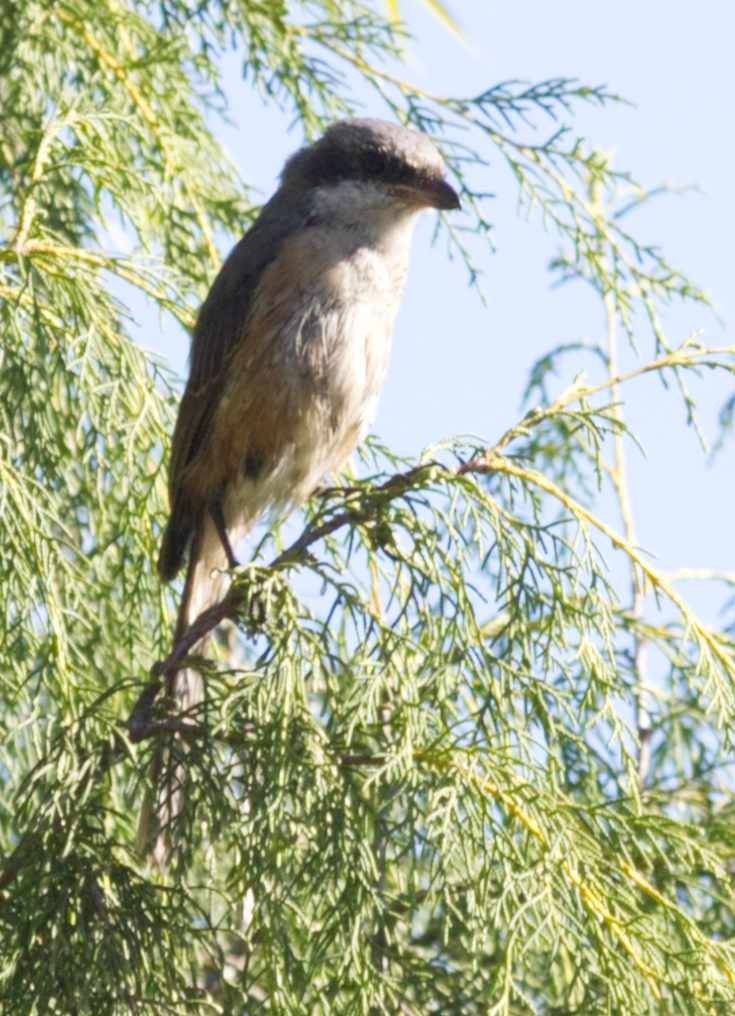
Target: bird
x,y
290,348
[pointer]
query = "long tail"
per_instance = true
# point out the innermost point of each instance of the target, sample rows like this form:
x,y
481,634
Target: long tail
x,y
206,580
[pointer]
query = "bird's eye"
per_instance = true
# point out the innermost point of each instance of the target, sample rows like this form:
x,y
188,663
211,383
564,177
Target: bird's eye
x,y
373,163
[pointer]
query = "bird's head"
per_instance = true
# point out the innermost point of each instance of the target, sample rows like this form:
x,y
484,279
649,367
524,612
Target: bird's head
x,y
377,160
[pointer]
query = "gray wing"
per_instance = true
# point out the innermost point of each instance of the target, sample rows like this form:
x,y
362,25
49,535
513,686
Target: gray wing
x,y
219,329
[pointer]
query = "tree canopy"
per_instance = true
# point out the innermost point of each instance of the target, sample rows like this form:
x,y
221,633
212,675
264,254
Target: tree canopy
x,y
432,772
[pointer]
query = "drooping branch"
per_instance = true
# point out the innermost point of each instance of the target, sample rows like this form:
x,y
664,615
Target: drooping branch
x,y
492,460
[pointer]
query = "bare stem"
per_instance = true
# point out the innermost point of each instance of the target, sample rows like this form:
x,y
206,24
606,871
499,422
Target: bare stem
x,y
619,478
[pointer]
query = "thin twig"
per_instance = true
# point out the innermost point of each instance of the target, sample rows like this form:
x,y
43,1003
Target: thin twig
x,y
619,477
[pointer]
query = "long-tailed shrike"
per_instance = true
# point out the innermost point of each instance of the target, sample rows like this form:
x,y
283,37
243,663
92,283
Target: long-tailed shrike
x,y
291,345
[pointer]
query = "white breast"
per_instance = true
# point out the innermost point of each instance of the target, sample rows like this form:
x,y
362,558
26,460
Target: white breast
x,y
328,349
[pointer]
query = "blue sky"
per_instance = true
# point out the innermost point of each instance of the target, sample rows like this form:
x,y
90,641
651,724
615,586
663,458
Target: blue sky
x,y
460,367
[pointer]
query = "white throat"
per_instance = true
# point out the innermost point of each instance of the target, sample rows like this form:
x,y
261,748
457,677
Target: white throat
x,y
369,209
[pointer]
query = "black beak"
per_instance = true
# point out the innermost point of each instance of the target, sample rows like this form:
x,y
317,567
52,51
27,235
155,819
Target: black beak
x,y
445,197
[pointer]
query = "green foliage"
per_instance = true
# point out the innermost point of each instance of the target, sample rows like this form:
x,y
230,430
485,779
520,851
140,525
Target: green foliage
x,y
432,775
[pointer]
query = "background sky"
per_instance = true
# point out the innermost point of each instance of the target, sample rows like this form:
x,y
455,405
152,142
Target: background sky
x,y
458,366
